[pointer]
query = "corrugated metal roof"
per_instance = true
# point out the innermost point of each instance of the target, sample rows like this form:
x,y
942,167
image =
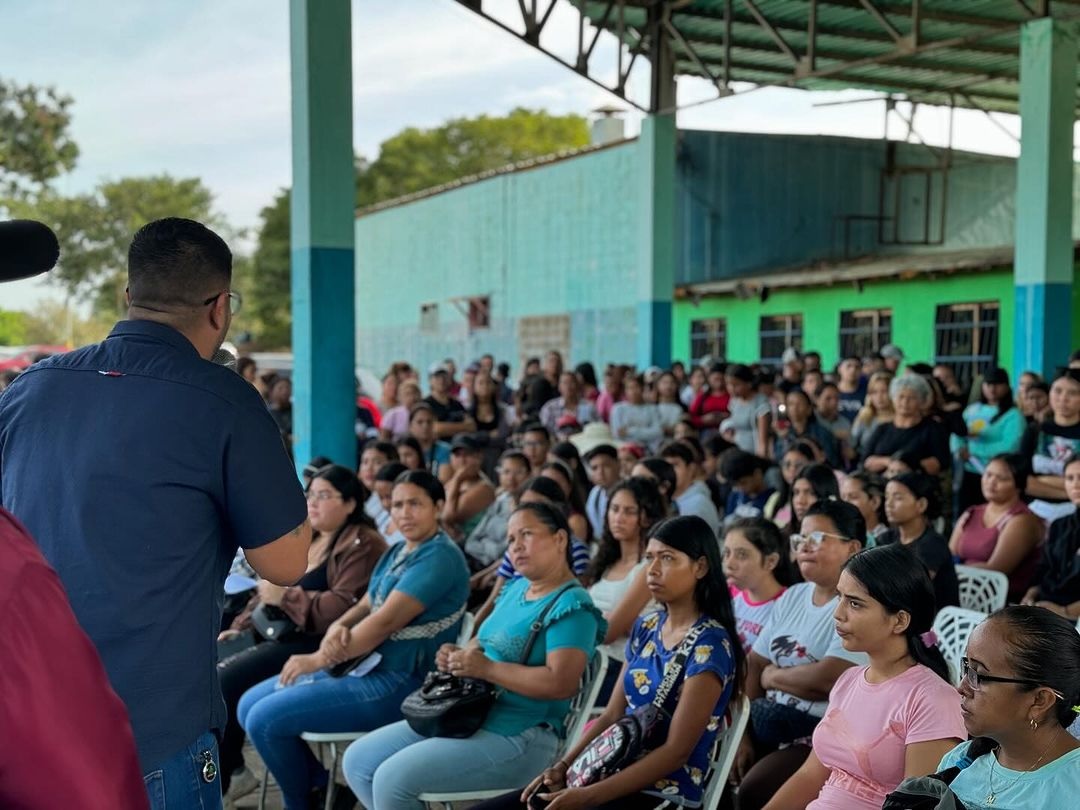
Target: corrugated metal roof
x,y
964,52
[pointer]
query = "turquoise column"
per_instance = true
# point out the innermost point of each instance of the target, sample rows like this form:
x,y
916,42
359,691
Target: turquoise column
x,y
656,246
322,204
1044,248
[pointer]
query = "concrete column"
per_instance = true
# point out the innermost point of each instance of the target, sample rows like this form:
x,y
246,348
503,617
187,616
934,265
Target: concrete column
x,y
322,204
656,245
1044,189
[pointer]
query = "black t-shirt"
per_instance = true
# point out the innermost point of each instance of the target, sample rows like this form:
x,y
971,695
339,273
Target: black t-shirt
x,y
452,411
1048,445
925,440
933,550
1058,575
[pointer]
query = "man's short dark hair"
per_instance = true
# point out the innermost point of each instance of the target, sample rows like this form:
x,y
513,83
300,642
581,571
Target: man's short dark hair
x,y
177,261
601,450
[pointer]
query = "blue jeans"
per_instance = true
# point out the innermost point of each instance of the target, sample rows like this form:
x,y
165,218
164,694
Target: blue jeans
x,y
180,784
274,719
389,768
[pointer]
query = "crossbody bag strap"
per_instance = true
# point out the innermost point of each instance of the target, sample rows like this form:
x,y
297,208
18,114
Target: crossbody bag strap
x,y
674,669
538,625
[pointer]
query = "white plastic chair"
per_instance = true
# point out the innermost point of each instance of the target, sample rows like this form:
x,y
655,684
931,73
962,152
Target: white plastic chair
x,y
723,756
953,627
982,589
337,742
576,717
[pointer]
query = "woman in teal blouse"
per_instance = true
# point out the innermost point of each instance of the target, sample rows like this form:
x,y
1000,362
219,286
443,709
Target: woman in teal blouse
x,y
391,767
994,425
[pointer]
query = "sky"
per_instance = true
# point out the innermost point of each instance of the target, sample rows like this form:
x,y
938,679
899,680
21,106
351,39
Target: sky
x,y
200,88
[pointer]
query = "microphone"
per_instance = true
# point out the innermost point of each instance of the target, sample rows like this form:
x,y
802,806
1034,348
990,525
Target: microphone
x,y
27,248
223,357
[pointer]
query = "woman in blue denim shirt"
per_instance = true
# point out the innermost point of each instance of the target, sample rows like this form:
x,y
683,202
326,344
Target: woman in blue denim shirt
x,y
413,605
391,767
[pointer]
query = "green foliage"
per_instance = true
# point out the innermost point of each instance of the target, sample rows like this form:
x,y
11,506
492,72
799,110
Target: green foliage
x,y
412,160
95,230
12,328
35,145
418,159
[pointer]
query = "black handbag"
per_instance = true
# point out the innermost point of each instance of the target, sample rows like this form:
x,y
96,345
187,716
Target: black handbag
x,y
273,623
449,706
632,736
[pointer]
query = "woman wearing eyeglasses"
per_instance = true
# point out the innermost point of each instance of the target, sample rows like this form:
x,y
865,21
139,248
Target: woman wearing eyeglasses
x,y
798,656
1019,693
345,548
889,720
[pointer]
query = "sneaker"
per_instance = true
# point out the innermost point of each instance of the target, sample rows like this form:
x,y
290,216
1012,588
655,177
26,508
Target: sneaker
x,y
242,783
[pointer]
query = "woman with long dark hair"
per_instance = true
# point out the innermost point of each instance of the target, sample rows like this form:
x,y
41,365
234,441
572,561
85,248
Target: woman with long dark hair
x,y
1048,444
685,576
994,426
814,483
912,501
895,717
616,575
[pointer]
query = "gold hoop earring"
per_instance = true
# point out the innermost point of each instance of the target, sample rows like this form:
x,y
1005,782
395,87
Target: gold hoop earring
x,y
1034,724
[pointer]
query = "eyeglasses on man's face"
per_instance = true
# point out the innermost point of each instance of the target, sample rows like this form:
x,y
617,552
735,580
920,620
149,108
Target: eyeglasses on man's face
x,y
811,541
235,300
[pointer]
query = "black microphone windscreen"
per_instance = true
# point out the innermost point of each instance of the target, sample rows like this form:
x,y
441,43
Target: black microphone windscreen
x,y
27,248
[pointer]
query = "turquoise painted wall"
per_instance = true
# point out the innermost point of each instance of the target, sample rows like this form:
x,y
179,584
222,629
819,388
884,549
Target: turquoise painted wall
x,y
557,239
562,240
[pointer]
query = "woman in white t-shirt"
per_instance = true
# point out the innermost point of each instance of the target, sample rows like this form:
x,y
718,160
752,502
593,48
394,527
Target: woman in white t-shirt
x,y
755,561
617,572
798,656
893,719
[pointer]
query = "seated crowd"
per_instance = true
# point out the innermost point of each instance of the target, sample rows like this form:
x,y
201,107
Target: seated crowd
x,y
723,534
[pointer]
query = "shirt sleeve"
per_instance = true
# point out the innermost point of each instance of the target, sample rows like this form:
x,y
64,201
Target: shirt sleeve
x,y
764,639
712,653
56,702
575,630
263,497
506,568
934,715
953,757
580,554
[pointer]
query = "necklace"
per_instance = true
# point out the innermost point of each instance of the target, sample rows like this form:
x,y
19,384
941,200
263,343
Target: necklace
x,y
991,797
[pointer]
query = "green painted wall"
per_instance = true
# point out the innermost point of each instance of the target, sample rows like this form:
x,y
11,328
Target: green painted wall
x,y
912,301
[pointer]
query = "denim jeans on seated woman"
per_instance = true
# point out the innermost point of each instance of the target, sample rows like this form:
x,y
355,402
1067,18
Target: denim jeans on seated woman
x,y
389,768
274,718
189,780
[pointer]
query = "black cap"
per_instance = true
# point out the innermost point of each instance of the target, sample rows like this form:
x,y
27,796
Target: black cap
x,y
466,441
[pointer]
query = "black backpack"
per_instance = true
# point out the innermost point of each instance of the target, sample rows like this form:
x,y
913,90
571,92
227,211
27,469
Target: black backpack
x,y
933,792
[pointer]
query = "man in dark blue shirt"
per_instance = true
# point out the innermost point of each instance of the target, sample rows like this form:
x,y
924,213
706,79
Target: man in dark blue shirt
x,y
140,467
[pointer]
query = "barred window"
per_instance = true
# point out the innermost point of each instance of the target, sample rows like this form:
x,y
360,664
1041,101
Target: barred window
x,y
776,333
708,339
966,338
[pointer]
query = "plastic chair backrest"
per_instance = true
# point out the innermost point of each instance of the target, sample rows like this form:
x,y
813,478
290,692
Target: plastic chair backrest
x,y
953,627
580,712
982,589
468,623
723,757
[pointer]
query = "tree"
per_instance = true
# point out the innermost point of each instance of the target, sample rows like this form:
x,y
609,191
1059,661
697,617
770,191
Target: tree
x,y
95,230
417,159
35,145
267,285
12,328
412,160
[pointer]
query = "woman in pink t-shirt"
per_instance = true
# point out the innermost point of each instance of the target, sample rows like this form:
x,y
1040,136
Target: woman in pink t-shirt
x,y
894,718
757,567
